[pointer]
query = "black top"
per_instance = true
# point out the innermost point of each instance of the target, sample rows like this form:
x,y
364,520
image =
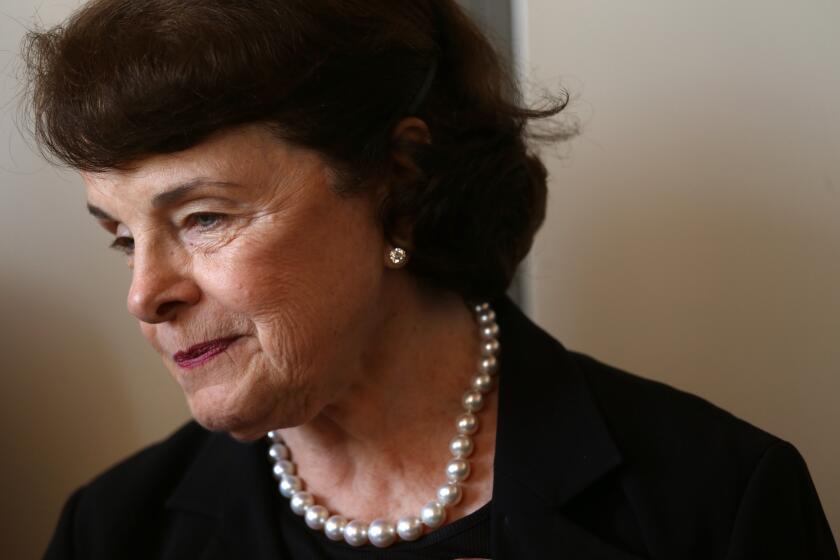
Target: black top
x,y
468,537
591,463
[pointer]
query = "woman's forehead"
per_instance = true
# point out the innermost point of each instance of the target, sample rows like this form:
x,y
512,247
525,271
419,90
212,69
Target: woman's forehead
x,y
223,157
238,161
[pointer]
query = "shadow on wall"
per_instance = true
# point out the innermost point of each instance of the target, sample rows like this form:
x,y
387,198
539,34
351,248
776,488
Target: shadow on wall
x,y
58,379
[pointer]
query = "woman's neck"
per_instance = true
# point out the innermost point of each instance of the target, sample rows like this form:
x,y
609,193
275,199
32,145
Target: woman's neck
x,y
380,448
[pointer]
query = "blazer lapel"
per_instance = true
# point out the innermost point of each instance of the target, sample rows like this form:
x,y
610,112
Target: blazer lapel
x,y
551,444
230,485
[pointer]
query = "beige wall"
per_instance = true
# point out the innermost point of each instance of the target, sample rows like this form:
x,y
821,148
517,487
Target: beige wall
x,y
80,387
692,237
693,233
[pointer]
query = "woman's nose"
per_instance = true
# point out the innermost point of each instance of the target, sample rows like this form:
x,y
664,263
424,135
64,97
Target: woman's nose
x,y
159,290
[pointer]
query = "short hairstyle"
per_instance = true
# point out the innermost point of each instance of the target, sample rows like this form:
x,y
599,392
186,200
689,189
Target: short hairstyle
x,y
125,79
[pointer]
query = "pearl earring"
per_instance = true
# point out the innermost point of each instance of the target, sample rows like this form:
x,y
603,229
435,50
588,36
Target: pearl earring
x,y
397,257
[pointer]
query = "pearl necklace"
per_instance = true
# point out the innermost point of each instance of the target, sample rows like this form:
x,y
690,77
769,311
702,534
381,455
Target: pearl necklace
x,y
382,532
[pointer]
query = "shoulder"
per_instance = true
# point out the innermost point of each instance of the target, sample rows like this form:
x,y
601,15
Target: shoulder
x,y
645,467
704,477
128,499
656,428
640,408
673,433
155,470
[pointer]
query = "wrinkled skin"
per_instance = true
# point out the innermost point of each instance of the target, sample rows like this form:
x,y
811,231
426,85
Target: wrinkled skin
x,y
288,265
351,357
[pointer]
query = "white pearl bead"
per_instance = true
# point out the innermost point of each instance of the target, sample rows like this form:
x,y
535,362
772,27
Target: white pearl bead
x,y
490,331
316,517
282,467
473,401
433,515
334,527
382,533
490,347
489,365
409,528
278,451
461,446
301,501
274,435
289,484
483,383
481,307
487,317
467,424
355,533
457,470
449,494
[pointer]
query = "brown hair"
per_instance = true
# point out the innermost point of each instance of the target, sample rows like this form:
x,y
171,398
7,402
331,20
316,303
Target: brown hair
x,y
124,79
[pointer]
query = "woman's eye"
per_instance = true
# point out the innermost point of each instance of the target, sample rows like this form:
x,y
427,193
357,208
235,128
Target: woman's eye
x,y
123,245
205,220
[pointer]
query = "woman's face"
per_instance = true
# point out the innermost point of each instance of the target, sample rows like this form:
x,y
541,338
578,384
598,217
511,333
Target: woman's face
x,y
240,245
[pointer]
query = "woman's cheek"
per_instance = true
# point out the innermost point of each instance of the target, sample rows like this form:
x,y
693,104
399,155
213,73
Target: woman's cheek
x,y
288,333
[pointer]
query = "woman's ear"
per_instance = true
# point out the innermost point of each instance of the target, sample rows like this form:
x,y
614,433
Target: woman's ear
x,y
408,133
410,130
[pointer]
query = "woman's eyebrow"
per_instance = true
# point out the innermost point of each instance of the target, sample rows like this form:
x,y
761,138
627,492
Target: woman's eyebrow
x,y
168,197
175,194
99,213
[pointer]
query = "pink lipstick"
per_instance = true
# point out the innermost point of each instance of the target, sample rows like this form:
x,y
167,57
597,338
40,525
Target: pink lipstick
x,y
202,353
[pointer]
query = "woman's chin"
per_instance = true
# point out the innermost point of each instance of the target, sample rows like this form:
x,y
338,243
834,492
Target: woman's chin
x,y
238,428
223,415
244,421
246,436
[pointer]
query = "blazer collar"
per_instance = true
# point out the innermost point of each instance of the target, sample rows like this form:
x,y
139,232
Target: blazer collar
x,y
551,437
551,444
230,484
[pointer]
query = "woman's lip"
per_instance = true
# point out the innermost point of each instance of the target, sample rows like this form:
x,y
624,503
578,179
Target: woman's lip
x,y
200,353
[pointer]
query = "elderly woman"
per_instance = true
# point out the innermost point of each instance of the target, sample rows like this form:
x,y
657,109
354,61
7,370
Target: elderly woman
x,y
322,203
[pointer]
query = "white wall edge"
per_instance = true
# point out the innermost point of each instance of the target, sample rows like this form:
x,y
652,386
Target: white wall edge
x,y
519,40
520,53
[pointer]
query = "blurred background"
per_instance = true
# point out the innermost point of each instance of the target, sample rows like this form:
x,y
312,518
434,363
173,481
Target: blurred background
x,y
693,237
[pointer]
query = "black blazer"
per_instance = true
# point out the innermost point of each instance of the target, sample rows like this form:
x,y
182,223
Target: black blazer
x,y
591,463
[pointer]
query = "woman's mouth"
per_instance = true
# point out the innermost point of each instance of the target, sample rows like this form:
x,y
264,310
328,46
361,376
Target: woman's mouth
x,y
202,353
